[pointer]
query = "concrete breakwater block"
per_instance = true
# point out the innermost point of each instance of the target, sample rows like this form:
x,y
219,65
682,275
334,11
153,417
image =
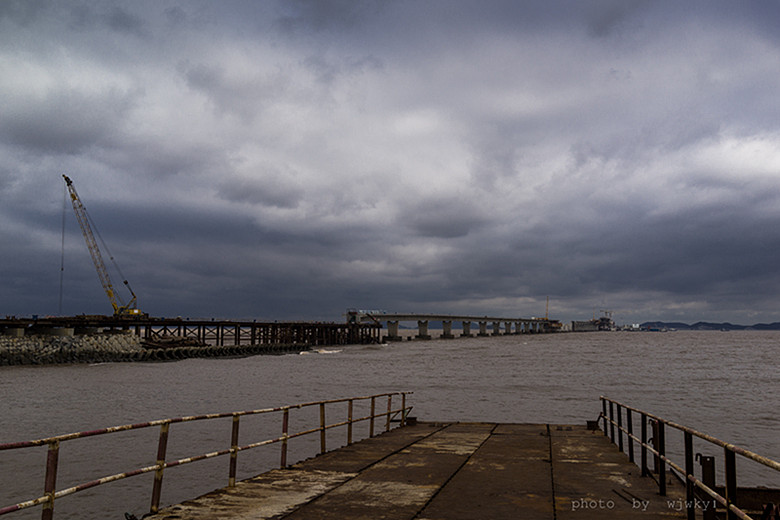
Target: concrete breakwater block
x,y
101,348
37,349
211,351
61,331
170,342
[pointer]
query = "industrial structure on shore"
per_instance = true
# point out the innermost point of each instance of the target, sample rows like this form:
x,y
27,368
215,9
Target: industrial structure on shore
x,y
603,323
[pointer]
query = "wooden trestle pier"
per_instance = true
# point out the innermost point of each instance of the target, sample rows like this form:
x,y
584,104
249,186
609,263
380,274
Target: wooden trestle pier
x,y
211,332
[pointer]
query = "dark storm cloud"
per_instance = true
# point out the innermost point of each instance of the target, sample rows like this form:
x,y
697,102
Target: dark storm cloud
x,y
610,16
121,20
314,15
22,12
243,97
291,159
272,190
64,120
443,218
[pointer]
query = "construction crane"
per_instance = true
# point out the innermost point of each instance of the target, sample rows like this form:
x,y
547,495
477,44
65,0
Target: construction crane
x,y
120,308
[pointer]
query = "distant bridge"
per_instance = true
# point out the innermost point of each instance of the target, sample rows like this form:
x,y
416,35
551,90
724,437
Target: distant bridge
x,y
507,325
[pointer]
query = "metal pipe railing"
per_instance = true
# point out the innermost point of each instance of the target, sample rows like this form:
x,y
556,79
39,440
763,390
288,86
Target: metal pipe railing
x,y
51,494
658,449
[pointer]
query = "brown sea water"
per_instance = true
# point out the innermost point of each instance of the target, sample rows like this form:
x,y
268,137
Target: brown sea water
x,y
726,384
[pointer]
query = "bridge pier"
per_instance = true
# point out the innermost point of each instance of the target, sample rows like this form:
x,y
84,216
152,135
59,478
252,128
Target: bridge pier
x,y
508,328
496,328
482,328
422,329
467,330
446,333
392,331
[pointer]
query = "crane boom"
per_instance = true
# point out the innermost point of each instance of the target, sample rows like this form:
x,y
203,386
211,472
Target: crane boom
x,y
120,309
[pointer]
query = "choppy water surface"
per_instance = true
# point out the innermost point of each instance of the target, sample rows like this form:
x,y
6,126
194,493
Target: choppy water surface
x,y
722,383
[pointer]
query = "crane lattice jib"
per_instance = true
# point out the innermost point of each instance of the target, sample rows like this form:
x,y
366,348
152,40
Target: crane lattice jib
x,y
94,251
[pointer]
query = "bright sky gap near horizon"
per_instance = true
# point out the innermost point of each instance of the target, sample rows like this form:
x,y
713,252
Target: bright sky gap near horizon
x,y
290,159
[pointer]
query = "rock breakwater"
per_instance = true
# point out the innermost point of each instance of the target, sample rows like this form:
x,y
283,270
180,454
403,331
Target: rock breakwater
x,y
37,349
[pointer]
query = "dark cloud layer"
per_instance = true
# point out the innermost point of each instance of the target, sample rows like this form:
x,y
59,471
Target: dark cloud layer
x,y
286,160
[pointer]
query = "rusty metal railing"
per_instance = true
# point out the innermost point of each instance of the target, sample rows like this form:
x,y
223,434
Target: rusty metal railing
x,y
656,445
53,443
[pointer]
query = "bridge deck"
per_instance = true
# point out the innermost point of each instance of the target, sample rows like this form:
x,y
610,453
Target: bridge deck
x,y
467,471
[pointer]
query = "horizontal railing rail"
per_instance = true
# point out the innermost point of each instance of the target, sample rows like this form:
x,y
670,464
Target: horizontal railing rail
x,y
656,445
51,493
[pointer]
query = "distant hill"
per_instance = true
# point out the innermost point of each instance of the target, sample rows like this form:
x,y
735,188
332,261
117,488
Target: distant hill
x,y
705,325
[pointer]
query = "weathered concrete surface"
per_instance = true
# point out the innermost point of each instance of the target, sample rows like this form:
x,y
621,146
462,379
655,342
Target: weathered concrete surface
x,y
594,480
449,471
400,486
281,491
508,477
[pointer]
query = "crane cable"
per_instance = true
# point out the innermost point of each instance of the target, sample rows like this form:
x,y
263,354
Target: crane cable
x,y
110,256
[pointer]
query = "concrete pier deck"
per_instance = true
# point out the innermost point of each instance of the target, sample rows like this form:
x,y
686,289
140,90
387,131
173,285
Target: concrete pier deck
x,y
453,471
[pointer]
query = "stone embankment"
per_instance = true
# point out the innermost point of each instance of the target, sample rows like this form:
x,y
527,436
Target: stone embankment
x,y
41,349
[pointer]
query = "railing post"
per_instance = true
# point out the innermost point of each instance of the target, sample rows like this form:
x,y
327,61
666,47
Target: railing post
x,y
233,452
50,481
403,409
620,428
661,462
644,445
162,446
389,409
349,423
612,422
731,481
689,488
604,413
654,424
285,427
371,421
630,424
708,478
322,427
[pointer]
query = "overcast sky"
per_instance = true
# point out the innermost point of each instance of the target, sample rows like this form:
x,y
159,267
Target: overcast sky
x,y
287,160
